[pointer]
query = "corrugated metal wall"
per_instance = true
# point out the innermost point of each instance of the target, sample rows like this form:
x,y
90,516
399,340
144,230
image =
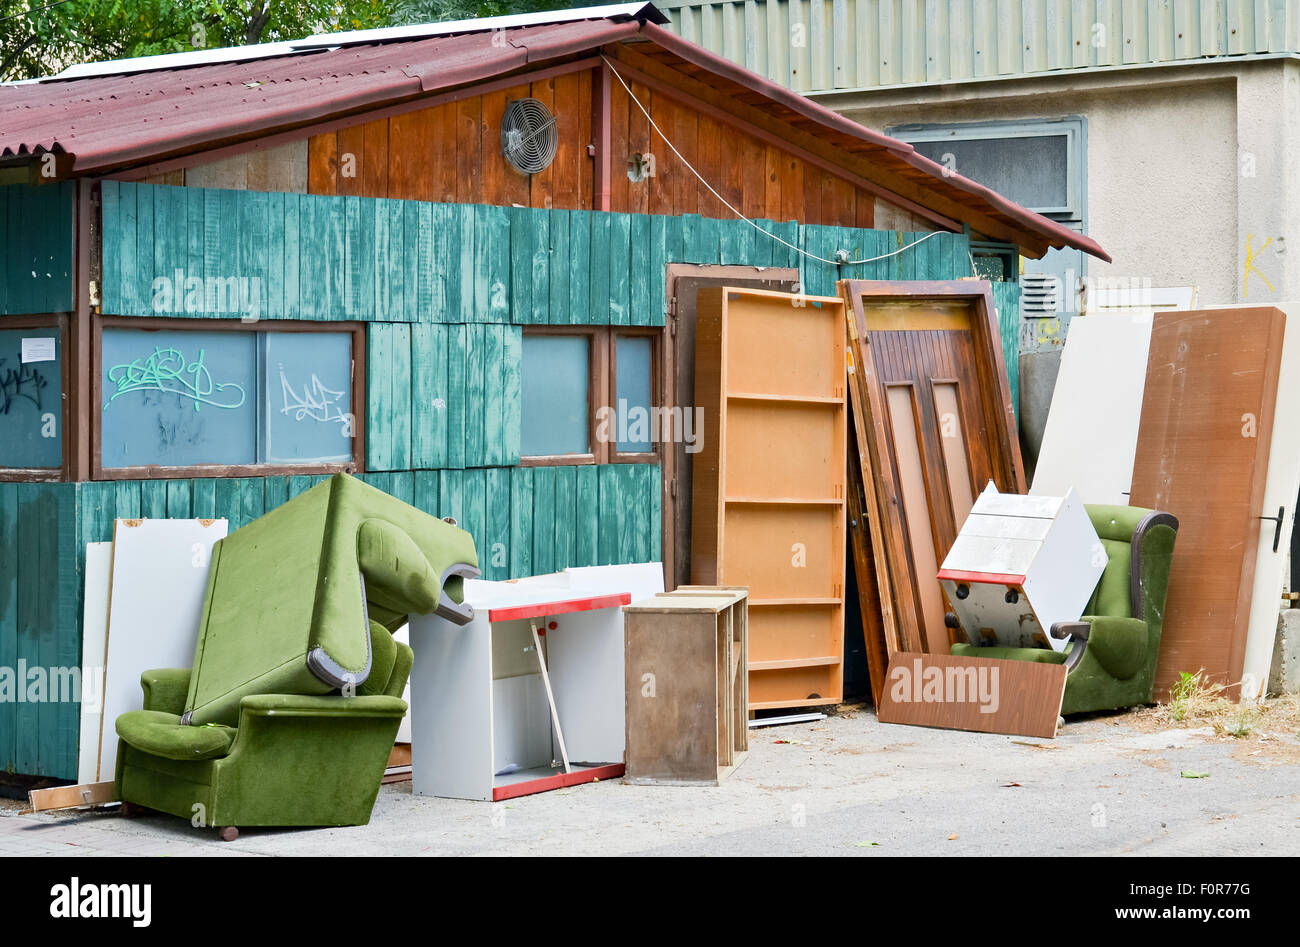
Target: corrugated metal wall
x,y
820,45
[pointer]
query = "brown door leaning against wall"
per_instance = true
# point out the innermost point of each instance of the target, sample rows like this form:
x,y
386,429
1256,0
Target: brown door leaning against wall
x,y
684,282
934,424
1202,455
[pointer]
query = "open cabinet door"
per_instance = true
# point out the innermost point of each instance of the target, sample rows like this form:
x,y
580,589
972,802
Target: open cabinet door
x,y
685,280
769,483
934,421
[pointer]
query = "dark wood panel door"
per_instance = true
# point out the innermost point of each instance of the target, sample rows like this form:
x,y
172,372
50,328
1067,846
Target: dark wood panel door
x,y
934,423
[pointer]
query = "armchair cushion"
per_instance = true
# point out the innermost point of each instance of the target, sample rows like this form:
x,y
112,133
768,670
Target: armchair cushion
x,y
1118,644
163,734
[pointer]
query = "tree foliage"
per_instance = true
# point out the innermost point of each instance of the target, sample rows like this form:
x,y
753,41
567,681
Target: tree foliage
x,y
40,37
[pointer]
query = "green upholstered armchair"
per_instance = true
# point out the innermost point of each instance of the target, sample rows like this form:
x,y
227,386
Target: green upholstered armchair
x,y
289,712
1113,649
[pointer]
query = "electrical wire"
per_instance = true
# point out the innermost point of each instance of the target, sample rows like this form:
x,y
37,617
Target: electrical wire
x,y
727,204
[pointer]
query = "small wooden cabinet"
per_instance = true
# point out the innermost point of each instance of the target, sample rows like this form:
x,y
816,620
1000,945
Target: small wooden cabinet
x,y
687,689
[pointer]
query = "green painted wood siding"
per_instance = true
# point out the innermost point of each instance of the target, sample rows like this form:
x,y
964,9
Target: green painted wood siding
x,y
822,45
442,396
40,621
1006,298
415,262
37,228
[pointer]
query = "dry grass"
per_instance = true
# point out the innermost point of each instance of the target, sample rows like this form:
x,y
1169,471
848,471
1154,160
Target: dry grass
x,y
1270,728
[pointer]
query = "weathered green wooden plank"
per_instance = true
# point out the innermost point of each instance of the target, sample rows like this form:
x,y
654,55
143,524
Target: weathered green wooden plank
x,y
299,483
399,390
110,215
620,262
203,498
170,249
544,515
128,248
566,486
522,237
359,265
540,223
494,395
65,630
126,502
494,550
179,499
451,494
457,345
194,232
275,491
9,586
445,261
558,264
640,273
428,395
511,392
475,395
424,286
410,260
313,264
44,644
425,491
586,516
252,499
579,271
658,270
521,521
253,250
32,572
609,507
656,513
217,232
599,288
475,509
495,261
379,395
465,281
732,241
8,240
153,499
390,282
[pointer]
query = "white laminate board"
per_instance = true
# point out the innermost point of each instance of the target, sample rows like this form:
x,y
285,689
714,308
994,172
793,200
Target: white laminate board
x,y
585,659
451,707
159,582
1092,425
94,639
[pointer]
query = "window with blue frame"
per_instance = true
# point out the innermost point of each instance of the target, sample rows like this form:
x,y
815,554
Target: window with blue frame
x,y
31,400
202,397
590,395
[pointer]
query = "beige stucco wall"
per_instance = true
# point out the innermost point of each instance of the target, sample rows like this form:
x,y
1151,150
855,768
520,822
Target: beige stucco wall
x,y
1170,157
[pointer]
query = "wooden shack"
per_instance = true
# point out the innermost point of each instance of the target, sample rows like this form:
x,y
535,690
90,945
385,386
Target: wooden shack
x,y
227,275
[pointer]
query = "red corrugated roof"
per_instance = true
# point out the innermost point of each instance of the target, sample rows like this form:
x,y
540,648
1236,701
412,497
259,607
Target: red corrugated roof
x,y
116,121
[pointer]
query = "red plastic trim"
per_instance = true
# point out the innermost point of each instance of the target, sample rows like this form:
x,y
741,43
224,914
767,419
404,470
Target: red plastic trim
x,y
983,578
559,608
547,783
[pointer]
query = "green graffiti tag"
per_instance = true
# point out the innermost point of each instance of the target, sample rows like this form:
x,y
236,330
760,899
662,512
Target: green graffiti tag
x,y
167,370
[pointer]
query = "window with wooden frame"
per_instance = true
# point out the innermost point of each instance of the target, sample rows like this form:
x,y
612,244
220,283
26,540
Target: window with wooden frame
x,y
591,395
213,398
33,404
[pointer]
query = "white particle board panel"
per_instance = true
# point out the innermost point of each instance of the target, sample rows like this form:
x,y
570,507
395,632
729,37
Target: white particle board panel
x,y
403,635
1281,487
94,638
159,582
451,725
585,659
1092,426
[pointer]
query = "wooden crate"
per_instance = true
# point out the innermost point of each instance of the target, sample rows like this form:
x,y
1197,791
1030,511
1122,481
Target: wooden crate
x,y
687,690
768,483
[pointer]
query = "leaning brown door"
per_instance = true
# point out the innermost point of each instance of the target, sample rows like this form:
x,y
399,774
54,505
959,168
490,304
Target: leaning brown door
x,y
1202,455
932,412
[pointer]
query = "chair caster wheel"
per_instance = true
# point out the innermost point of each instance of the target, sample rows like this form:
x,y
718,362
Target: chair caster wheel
x,y
1060,721
129,810
228,833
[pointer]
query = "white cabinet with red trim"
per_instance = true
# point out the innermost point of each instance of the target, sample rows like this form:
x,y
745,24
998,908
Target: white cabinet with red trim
x,y
1019,565
525,698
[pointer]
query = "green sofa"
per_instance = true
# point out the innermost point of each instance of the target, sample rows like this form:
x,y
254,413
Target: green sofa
x,y
289,712
1113,649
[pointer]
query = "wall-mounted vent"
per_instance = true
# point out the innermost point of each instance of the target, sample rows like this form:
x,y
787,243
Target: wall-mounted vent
x,y
1040,294
528,135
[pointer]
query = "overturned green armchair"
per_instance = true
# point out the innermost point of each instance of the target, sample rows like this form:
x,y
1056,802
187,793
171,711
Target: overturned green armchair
x,y
1113,649
289,713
